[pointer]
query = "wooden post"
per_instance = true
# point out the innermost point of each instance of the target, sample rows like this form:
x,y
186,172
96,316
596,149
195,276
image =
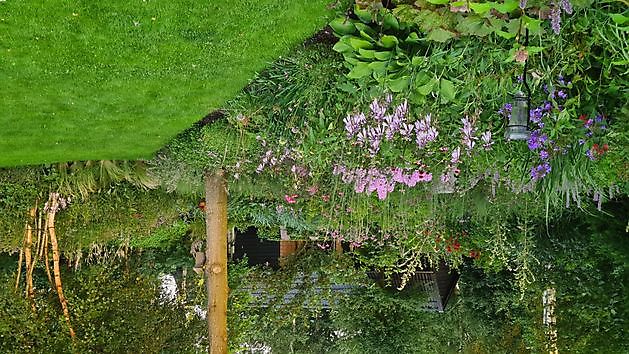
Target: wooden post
x,y
216,259
549,300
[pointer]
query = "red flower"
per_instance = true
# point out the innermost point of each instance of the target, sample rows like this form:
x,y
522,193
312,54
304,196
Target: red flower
x,y
583,118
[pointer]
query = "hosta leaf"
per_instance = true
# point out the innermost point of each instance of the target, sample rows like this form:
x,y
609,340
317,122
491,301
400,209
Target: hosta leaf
x,y
482,8
383,55
534,25
342,26
447,91
473,25
358,43
378,67
363,15
399,85
342,47
366,53
360,70
504,34
366,36
440,35
507,6
427,88
412,38
390,22
388,41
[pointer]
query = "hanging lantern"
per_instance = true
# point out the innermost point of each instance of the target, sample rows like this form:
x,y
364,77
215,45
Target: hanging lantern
x,y
518,127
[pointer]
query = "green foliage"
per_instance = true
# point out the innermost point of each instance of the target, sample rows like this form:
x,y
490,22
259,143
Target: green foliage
x,y
112,310
162,238
122,213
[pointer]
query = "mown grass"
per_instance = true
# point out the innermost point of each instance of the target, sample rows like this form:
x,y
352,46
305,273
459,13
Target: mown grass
x,y
117,79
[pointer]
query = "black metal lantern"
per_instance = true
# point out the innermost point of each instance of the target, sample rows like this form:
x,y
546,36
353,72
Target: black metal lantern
x,y
518,126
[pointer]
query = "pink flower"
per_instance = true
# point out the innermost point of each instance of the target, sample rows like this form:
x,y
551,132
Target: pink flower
x,y
326,198
290,199
312,190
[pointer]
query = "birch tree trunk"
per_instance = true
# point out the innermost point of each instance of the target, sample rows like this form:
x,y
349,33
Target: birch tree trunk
x,y
216,259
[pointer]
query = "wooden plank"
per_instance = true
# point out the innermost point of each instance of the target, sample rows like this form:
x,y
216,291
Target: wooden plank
x,y
216,259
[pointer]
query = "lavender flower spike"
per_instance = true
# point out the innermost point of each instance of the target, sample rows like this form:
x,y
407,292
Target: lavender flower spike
x,y
566,6
555,19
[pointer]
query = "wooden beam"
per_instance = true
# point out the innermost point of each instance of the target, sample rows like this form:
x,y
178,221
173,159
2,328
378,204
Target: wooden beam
x,y
216,259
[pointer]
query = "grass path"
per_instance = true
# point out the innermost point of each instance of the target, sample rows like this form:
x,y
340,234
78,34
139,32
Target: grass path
x,y
84,79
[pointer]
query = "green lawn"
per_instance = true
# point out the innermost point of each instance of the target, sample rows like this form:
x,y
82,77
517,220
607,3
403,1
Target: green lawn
x,y
117,79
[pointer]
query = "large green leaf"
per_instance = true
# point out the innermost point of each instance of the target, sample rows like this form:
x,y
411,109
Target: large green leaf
x,y
378,67
399,84
358,43
390,22
383,55
482,8
412,38
342,26
447,91
440,35
363,15
342,47
473,25
507,6
427,88
418,60
388,41
360,70
366,53
533,24
504,34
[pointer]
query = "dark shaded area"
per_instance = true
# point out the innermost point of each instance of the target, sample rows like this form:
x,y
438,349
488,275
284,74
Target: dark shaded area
x,y
257,250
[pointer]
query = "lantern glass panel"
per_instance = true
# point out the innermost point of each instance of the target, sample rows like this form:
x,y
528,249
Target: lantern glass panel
x,y
517,128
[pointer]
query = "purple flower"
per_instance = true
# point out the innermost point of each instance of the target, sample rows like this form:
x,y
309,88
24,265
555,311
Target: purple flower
x,y
555,19
543,155
392,125
566,6
598,118
536,115
486,138
406,130
424,132
540,171
581,141
456,155
505,110
562,94
377,110
589,154
523,4
534,141
547,106
588,123
468,132
354,123
561,80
